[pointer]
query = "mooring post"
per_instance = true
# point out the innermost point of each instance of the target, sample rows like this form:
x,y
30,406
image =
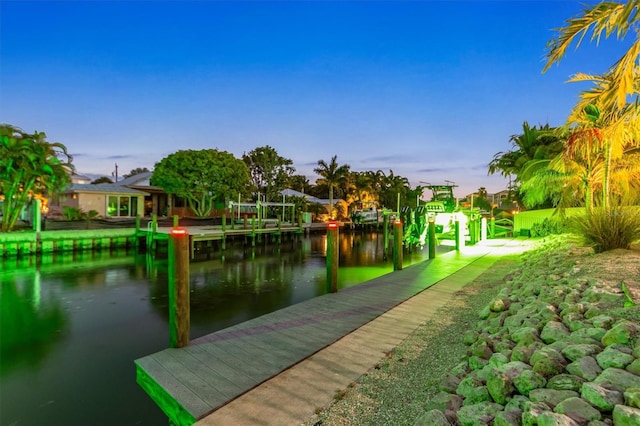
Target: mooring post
x,y
37,216
472,230
253,232
179,288
300,221
332,257
457,232
385,225
224,222
483,229
432,237
397,245
492,230
175,220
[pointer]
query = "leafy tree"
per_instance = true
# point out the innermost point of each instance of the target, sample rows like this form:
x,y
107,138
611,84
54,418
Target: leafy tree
x,y
361,184
333,176
200,177
269,172
390,186
136,171
532,149
299,183
30,166
102,179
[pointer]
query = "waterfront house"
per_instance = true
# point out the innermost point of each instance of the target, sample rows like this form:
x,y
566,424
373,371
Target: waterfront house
x,y
108,199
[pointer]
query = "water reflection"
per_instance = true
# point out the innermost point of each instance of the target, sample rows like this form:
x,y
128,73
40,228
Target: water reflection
x,y
73,324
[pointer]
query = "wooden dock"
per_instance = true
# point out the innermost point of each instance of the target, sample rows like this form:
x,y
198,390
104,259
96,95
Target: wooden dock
x,y
191,382
206,234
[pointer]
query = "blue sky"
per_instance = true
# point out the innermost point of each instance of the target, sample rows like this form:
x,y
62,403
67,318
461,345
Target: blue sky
x,y
430,90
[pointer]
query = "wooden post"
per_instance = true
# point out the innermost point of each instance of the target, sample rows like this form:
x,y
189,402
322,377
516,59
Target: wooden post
x,y
492,230
175,220
179,314
483,229
432,237
457,234
253,232
472,230
397,245
37,216
224,222
385,225
332,257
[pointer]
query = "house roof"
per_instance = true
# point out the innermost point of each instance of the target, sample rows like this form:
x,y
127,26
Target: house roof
x,y
107,188
140,179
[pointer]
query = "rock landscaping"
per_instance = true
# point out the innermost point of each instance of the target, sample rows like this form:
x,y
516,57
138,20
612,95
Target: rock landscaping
x,y
552,348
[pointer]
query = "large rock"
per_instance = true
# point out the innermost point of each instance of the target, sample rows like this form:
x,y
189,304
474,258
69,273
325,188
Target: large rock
x,y
500,387
566,382
525,336
578,409
615,358
478,414
586,367
554,331
622,332
531,411
600,397
626,416
507,418
632,397
551,397
444,401
432,418
554,419
617,379
547,363
634,367
529,380
577,351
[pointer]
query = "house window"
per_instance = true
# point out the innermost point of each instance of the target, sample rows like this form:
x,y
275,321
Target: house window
x,y
122,206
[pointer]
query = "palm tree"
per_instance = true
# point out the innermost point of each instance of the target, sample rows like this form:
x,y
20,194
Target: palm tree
x,y
612,131
605,19
333,176
30,166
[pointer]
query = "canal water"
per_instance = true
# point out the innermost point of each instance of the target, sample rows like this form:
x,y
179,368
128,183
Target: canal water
x,y
71,326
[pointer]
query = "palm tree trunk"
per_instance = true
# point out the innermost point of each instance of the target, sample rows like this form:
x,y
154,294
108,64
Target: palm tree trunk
x,y
331,201
607,168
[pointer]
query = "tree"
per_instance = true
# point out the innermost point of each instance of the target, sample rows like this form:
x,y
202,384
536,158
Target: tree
x,y
269,172
299,183
102,179
30,166
200,177
136,171
606,18
333,176
533,148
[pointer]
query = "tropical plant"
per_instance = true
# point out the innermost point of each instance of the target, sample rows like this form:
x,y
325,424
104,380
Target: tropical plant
x,y
30,166
200,177
333,176
605,19
299,183
608,228
269,172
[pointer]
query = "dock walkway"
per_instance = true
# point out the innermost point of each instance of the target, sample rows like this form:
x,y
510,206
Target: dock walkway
x,y
192,382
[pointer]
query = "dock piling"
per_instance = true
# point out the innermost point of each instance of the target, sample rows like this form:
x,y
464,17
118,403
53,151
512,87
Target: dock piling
x,y
333,257
179,288
397,245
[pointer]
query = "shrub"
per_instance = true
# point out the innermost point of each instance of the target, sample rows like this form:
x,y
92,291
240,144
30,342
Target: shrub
x,y
76,213
609,228
547,227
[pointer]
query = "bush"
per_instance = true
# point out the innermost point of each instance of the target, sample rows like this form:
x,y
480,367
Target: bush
x,y
76,213
547,227
609,228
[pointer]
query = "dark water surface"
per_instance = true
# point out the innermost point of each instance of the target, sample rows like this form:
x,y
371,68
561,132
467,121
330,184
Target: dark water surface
x,y
71,327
